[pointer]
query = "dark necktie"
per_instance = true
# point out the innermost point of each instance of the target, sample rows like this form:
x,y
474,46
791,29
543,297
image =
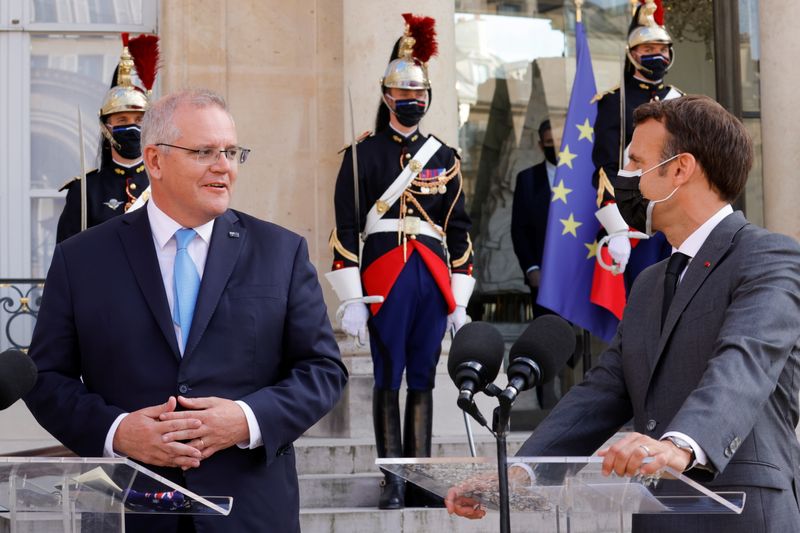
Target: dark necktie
x,y
677,262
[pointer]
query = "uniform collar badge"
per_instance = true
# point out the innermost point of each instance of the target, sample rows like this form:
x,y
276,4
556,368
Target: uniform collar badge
x,y
113,203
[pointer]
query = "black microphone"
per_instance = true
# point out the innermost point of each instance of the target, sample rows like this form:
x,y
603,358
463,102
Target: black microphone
x,y
475,358
17,376
538,355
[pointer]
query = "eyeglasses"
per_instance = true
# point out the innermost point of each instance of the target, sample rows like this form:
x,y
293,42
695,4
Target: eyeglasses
x,y
209,156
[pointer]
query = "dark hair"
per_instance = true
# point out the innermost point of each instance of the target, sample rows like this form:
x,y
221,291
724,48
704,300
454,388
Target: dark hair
x,y
698,125
543,127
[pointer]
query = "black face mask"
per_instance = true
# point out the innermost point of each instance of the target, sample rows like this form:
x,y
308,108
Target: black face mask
x,y
656,64
409,111
636,210
129,138
550,154
630,202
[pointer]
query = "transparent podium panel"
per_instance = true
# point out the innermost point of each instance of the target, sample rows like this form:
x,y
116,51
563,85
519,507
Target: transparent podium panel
x,y
573,489
44,494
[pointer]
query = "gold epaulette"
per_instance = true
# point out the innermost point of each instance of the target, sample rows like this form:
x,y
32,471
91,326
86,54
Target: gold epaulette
x,y
599,96
74,178
359,139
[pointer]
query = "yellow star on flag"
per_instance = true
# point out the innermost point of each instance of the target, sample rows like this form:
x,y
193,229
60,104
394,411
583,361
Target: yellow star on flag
x,y
570,225
560,192
592,247
565,157
587,131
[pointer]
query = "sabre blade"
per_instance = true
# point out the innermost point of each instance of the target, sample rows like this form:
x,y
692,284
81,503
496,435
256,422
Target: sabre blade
x,y
84,221
353,153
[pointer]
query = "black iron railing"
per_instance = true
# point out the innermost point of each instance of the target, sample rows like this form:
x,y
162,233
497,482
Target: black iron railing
x,y
19,306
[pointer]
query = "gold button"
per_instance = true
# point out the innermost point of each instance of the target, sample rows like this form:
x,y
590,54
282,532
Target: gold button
x,y
408,156
410,211
413,237
133,186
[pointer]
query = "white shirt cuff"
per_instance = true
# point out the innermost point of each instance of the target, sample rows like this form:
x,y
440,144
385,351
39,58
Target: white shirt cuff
x,y
108,448
531,269
700,457
252,427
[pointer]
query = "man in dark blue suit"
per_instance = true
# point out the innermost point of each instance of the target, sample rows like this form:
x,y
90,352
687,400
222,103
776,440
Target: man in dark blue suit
x,y
203,359
529,213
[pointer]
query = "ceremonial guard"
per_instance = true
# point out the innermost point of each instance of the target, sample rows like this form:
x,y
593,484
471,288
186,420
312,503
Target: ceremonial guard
x,y
402,234
649,55
112,189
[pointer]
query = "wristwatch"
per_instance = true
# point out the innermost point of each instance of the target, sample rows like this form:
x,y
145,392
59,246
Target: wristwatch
x,y
683,445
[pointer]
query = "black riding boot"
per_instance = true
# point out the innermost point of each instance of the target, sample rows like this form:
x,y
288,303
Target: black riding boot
x,y
386,418
417,443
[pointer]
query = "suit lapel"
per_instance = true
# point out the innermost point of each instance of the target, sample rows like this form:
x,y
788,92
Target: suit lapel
x,y
716,246
653,316
137,240
227,241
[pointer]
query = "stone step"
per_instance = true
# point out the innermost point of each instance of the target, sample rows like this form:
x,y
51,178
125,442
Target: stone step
x,y
315,455
325,491
360,520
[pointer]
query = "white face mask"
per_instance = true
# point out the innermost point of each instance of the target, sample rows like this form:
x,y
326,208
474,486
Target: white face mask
x,y
630,205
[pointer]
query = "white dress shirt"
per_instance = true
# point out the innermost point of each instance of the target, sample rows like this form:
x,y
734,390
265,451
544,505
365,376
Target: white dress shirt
x,y
690,247
163,229
551,173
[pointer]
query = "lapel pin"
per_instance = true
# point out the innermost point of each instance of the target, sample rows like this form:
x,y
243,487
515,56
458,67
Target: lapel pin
x,y
707,264
233,234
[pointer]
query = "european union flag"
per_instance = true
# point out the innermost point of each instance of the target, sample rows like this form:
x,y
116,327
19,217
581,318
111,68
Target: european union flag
x,y
571,241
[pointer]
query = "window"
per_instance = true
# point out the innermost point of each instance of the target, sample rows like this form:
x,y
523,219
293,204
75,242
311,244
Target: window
x,y
56,56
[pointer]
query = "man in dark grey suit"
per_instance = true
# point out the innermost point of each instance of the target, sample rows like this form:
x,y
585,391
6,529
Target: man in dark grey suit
x,y
709,375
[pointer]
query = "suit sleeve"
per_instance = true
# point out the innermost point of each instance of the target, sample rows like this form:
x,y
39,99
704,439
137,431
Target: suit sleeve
x,y
760,330
458,224
605,153
589,414
522,231
69,223
314,373
345,237
60,398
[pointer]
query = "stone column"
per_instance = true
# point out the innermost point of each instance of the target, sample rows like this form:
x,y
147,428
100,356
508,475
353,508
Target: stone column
x,y
278,64
780,119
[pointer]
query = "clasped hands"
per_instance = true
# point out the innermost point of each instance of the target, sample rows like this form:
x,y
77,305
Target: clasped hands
x,y
161,436
626,457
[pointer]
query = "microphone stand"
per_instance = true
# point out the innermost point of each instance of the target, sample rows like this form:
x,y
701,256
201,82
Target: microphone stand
x,y
500,425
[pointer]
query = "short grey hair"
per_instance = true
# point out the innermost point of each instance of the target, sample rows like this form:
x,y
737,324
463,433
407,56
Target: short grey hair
x,y
158,125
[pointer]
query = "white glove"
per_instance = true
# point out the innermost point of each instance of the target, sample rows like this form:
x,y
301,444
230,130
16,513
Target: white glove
x,y
456,319
619,246
354,321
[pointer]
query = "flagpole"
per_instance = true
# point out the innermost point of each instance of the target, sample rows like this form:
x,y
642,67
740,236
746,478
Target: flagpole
x,y
578,13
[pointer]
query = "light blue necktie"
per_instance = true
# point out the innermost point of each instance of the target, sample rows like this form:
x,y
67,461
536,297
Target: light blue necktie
x,y
186,283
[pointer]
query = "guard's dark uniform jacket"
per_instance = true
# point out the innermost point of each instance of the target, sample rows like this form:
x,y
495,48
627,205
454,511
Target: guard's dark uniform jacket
x,y
435,196
109,192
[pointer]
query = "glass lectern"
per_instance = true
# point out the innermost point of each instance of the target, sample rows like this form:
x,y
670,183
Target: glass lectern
x,y
570,493
47,494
